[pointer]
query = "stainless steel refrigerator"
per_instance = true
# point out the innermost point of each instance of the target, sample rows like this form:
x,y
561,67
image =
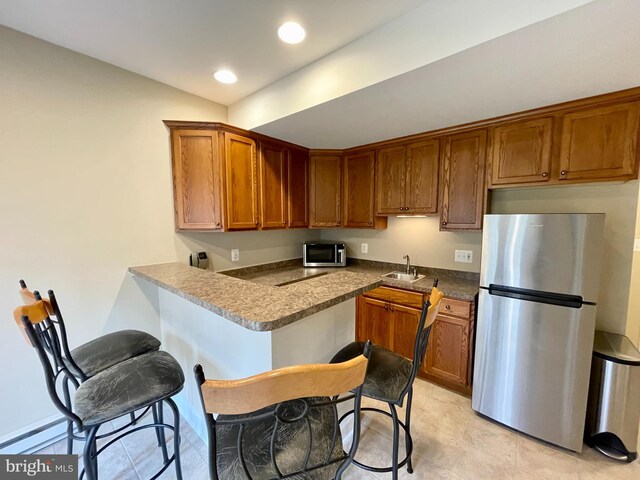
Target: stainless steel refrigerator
x,y
539,285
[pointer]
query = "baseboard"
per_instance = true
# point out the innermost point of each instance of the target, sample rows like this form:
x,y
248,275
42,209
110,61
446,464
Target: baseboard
x,y
34,437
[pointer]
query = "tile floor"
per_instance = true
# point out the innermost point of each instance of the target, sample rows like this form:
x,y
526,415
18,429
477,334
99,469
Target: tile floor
x,y
451,442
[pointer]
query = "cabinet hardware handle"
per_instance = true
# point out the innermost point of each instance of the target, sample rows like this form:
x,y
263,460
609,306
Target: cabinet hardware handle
x,y
386,306
447,307
444,223
544,174
217,224
563,172
370,222
391,308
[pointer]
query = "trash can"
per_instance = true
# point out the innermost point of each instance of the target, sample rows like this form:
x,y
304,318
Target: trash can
x,y
613,409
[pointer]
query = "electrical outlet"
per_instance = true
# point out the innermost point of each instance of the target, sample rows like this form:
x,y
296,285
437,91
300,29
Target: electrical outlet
x,y
636,245
235,255
364,247
464,256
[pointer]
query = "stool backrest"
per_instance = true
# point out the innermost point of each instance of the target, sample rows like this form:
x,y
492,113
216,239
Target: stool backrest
x,y
53,309
39,329
429,313
293,401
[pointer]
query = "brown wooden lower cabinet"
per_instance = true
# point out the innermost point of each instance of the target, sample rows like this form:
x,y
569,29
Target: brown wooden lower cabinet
x,y
449,353
390,324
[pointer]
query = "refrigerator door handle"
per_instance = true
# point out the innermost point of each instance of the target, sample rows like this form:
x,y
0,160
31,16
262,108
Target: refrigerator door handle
x,y
550,298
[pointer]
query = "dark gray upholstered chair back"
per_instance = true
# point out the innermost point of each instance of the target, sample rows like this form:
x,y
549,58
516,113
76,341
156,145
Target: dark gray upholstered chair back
x,y
255,438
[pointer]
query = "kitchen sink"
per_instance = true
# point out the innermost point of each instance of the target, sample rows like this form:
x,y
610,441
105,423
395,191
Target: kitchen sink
x,y
404,277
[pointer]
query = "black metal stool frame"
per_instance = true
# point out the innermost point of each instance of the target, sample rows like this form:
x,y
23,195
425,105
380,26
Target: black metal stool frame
x,y
63,345
419,351
274,412
46,341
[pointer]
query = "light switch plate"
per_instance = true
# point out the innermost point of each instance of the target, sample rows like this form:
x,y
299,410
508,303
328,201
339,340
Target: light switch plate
x,y
464,256
364,247
235,255
636,245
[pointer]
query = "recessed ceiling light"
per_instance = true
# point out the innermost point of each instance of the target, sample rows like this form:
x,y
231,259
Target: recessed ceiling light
x,y
225,76
291,32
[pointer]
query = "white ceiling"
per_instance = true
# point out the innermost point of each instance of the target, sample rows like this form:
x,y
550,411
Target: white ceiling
x,y
590,50
182,42
508,56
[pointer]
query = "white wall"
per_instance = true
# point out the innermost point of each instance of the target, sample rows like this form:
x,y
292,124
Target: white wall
x,y
255,247
633,314
419,237
86,192
619,202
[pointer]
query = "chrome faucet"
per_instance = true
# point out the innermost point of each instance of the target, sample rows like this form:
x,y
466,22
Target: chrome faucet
x,y
406,257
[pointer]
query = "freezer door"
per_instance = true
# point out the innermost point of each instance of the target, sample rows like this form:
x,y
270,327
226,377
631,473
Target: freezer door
x,y
557,253
532,366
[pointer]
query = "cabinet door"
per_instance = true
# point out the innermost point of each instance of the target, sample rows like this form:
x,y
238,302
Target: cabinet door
x,y
196,180
521,152
405,325
241,182
373,322
600,143
325,182
274,163
298,197
464,193
391,174
422,177
358,189
448,349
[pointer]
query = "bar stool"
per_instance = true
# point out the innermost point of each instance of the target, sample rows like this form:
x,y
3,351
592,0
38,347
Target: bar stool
x,y
390,378
133,384
95,356
283,423
105,351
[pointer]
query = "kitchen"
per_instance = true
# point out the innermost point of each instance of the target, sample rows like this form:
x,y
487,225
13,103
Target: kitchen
x,y
82,214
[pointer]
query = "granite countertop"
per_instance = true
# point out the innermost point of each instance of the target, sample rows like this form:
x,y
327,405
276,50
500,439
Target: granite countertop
x,y
452,283
254,305
268,297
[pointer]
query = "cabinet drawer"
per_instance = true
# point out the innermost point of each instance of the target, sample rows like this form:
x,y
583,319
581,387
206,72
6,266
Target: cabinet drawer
x,y
458,308
395,295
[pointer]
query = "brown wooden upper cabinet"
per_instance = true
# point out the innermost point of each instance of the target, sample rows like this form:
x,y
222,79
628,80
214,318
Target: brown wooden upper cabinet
x,y
196,180
407,178
284,186
521,152
463,188
600,142
241,184
298,188
274,165
358,187
325,183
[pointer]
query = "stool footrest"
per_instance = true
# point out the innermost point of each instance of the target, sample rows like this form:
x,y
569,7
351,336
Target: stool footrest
x,y
407,436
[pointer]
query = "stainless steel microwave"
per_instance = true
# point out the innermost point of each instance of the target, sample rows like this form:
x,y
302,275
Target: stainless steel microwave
x,y
324,255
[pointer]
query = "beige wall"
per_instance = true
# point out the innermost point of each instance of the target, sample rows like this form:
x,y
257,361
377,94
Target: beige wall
x,y
420,238
633,315
255,247
619,203
85,192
